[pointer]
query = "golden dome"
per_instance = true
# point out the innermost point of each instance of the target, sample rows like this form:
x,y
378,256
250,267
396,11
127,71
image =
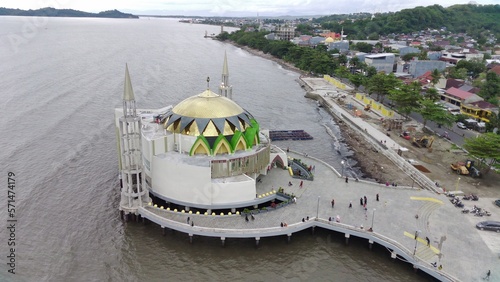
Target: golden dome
x,y
207,114
207,105
329,40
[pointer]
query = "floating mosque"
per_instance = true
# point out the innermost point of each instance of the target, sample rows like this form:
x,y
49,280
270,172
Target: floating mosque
x,y
206,152
204,167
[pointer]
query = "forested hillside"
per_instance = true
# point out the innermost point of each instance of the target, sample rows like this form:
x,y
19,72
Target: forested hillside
x,y
472,19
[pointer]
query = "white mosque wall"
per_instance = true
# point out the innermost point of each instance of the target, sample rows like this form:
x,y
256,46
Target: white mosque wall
x,y
159,146
170,141
147,154
184,142
180,181
232,190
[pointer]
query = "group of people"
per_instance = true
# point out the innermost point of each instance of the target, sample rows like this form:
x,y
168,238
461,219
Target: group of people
x,y
283,224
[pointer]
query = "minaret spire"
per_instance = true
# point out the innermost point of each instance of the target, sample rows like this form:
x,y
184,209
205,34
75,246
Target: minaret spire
x,y
225,89
129,109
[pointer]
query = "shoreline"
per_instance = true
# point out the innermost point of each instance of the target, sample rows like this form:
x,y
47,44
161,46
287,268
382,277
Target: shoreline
x,y
354,141
270,57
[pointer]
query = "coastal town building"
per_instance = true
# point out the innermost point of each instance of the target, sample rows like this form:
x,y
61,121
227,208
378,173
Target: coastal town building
x,y
419,67
403,49
381,62
284,32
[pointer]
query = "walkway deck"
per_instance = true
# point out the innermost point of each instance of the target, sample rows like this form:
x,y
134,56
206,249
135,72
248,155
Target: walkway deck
x,y
465,252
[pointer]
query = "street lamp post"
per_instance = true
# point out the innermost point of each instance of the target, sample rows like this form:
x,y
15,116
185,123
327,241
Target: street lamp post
x,y
342,174
373,217
317,208
416,241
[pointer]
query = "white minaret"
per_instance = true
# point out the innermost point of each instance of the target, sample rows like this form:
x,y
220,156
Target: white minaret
x,y
133,193
225,89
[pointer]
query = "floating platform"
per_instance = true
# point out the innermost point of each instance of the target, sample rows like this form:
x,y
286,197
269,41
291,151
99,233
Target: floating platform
x,y
279,135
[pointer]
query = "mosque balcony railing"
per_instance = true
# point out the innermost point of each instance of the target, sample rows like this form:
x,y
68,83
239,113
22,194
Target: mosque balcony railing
x,y
241,165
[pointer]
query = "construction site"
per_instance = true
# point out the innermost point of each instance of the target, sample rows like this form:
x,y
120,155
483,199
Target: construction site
x,y
450,167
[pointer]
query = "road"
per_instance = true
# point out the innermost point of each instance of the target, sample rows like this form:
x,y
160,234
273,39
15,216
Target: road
x,y
457,135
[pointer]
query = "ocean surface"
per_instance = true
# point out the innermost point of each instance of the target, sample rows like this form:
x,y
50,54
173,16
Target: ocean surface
x,y
60,80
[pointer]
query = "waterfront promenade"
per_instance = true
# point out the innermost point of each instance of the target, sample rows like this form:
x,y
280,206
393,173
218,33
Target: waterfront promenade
x,y
465,253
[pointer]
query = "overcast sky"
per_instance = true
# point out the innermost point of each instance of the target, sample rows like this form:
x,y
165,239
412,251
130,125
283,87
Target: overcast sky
x,y
235,7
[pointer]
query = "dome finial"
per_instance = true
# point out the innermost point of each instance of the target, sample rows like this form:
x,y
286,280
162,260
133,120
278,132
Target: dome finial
x,y
208,82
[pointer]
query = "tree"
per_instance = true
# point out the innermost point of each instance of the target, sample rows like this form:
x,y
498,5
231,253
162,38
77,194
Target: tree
x,y
342,72
474,67
435,112
363,47
408,57
436,75
342,59
381,84
406,98
357,80
486,147
355,62
371,71
494,123
423,56
491,87
458,73
321,47
432,94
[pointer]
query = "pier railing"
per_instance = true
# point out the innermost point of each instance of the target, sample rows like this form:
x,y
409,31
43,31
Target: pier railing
x,y
151,213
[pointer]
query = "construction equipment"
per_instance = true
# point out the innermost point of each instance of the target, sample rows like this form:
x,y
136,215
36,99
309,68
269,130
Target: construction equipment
x,y
423,142
460,168
405,135
466,168
473,171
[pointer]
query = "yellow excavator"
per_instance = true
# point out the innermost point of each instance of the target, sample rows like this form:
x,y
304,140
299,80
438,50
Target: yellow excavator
x,y
423,142
459,168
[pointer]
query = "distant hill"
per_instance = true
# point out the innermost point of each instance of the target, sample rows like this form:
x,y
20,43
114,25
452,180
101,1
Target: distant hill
x,y
51,12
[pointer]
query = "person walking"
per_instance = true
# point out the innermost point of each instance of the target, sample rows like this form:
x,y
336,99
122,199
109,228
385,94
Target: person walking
x,y
488,274
301,182
333,203
350,204
346,179
188,220
361,201
366,200
246,218
428,241
377,197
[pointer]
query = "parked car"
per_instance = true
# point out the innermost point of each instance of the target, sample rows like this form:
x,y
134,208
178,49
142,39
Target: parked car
x,y
497,202
461,125
489,225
